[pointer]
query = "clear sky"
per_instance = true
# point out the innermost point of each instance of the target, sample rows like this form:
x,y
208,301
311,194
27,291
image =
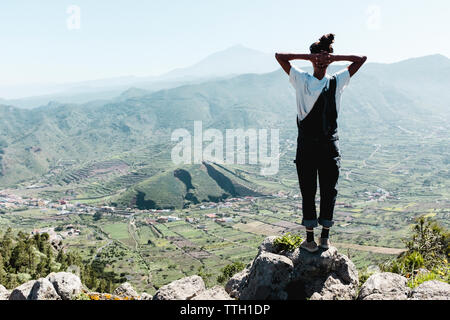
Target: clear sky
x,y
41,42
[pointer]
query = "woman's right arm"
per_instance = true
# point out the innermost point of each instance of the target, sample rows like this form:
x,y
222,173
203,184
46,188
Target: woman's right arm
x,y
357,62
284,58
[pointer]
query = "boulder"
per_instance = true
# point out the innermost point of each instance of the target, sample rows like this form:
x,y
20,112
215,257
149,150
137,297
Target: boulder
x,y
268,278
23,291
215,293
298,274
326,274
145,296
267,245
126,290
385,286
237,282
66,284
431,290
43,290
4,293
183,289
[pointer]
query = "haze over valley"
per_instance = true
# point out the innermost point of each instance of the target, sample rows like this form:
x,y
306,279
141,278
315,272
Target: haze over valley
x,y
105,146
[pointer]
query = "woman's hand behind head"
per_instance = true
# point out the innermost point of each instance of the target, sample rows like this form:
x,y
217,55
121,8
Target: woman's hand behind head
x,y
322,60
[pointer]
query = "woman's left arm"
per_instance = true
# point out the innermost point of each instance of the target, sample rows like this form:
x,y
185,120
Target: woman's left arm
x,y
357,62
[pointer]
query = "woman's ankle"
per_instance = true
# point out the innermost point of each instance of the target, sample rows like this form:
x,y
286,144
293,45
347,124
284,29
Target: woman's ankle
x,y
325,232
309,235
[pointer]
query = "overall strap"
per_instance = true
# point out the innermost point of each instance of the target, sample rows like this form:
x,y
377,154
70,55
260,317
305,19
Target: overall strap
x,y
320,123
329,114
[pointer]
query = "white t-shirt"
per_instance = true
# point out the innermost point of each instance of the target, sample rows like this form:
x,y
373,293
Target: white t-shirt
x,y
308,88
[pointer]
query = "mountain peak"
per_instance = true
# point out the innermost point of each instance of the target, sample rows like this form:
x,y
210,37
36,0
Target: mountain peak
x,y
237,59
431,60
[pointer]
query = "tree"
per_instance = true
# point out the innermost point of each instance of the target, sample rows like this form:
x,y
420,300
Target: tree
x,y
34,256
2,270
7,245
97,216
430,240
428,247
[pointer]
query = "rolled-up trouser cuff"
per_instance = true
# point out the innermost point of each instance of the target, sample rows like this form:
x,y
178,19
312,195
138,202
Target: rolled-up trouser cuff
x,y
326,223
309,223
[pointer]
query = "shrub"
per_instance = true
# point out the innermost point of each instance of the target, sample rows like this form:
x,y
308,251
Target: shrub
x,y
229,271
428,248
288,242
423,277
405,264
430,240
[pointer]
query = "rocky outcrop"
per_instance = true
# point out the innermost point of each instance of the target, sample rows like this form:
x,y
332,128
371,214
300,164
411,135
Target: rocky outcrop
x,y
146,296
190,288
4,293
268,278
215,293
23,291
126,290
324,275
431,290
267,245
183,289
385,286
236,284
66,284
43,290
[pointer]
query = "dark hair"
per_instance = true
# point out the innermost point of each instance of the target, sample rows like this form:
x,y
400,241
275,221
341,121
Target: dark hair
x,y
324,44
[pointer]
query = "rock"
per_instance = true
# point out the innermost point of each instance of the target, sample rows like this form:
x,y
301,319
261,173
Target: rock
x,y
385,286
269,275
67,285
102,296
332,289
235,285
126,290
215,293
23,291
267,245
431,290
329,274
4,293
146,296
183,289
298,274
43,290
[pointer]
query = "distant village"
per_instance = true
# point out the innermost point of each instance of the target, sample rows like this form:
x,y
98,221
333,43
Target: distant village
x,y
10,203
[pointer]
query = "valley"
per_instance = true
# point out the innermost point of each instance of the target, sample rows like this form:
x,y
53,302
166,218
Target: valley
x,y
99,175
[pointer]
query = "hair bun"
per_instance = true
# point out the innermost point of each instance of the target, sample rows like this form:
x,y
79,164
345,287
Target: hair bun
x,y
324,44
327,39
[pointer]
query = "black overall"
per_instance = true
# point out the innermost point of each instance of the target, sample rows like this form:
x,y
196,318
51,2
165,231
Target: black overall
x,y
318,153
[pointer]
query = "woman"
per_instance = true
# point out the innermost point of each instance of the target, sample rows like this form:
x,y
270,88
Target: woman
x,y
318,103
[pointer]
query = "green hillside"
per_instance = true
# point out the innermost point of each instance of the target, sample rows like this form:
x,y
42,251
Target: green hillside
x,y
101,149
180,187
